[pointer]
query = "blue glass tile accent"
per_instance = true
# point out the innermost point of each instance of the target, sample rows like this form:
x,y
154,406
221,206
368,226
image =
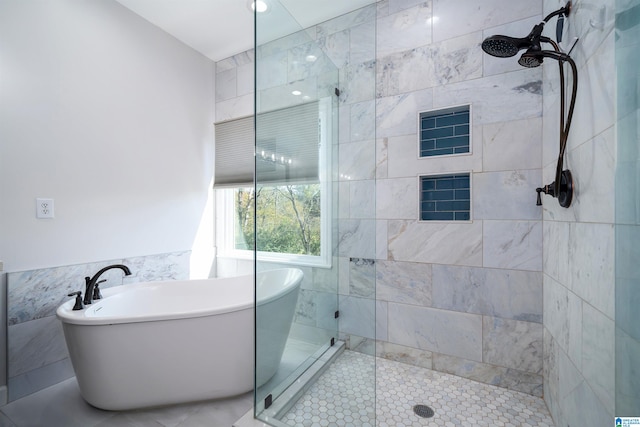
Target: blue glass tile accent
x,y
445,132
437,216
445,198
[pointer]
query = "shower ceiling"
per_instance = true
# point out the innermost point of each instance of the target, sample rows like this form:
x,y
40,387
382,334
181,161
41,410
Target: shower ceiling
x,y
222,28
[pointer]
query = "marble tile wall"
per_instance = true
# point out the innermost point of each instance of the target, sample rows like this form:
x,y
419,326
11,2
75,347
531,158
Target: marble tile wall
x,y
579,242
449,296
463,298
37,352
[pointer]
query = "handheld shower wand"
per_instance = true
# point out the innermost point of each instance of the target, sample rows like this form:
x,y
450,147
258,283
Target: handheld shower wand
x,y
505,47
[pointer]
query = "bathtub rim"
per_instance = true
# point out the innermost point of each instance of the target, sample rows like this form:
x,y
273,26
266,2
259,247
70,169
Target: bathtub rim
x,y
66,314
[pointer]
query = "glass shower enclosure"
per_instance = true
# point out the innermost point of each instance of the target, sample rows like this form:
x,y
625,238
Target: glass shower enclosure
x,y
296,108
305,88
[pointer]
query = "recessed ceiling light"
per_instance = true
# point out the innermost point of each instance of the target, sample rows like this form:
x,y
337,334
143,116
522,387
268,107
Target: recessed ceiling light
x,y
296,93
311,58
259,6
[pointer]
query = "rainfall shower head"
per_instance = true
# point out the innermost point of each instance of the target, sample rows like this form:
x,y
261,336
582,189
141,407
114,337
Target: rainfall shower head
x,y
530,59
505,46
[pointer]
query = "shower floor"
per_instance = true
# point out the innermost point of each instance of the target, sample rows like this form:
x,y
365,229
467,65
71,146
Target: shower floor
x,y
344,394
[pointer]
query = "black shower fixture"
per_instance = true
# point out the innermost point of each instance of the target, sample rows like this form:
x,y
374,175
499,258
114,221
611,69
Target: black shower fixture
x,y
506,47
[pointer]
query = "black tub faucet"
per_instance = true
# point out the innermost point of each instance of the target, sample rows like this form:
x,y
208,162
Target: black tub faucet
x,y
92,283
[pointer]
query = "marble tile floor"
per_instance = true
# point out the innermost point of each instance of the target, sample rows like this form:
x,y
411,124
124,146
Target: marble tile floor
x,y
344,396
62,406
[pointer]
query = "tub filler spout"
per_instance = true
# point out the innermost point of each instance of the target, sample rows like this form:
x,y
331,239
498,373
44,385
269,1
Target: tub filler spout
x,y
91,291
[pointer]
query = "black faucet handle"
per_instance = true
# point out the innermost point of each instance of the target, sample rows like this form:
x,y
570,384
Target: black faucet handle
x,y
96,290
78,305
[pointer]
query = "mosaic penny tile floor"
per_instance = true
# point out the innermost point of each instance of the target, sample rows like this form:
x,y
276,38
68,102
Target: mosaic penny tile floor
x,y
344,396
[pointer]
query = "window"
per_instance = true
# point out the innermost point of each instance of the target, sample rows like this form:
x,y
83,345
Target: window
x,y
293,192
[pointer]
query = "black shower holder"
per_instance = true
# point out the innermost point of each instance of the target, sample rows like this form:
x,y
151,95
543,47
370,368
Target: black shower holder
x,y
502,46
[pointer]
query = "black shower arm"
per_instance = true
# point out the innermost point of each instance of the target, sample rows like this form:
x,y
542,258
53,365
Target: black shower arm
x,y
562,11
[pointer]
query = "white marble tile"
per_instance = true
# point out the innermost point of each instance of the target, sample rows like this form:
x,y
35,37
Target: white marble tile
x,y
513,244
459,59
362,121
344,197
404,282
523,339
362,199
357,316
510,96
382,321
598,355
38,379
347,21
344,124
336,47
400,353
556,254
563,319
245,79
441,243
512,145
358,82
38,293
271,71
595,105
579,404
171,266
397,198
234,61
511,379
35,344
226,84
628,353
357,238
506,195
510,294
592,23
403,160
465,16
447,332
592,249
357,160
382,251
281,96
381,158
398,115
403,30
234,108
362,277
363,42
593,167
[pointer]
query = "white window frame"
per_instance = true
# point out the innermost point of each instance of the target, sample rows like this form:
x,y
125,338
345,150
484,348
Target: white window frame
x,y
225,206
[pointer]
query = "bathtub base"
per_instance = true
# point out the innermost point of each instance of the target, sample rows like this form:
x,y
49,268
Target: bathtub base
x,y
210,361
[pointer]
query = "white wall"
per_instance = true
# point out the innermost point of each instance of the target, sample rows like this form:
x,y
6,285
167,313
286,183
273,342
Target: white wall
x,y
109,116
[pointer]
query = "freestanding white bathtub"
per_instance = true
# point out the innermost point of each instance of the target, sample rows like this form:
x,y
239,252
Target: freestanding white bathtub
x,y
159,343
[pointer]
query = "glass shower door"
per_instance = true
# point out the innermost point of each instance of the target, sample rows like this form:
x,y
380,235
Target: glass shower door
x,y
628,209
296,109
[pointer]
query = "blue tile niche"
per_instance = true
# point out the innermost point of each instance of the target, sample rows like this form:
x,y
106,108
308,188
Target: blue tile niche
x,y
445,132
445,197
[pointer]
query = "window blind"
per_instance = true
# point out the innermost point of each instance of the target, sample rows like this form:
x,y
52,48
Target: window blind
x,y
286,150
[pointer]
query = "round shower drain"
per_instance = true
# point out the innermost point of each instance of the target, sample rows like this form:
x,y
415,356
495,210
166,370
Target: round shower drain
x,y
423,411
